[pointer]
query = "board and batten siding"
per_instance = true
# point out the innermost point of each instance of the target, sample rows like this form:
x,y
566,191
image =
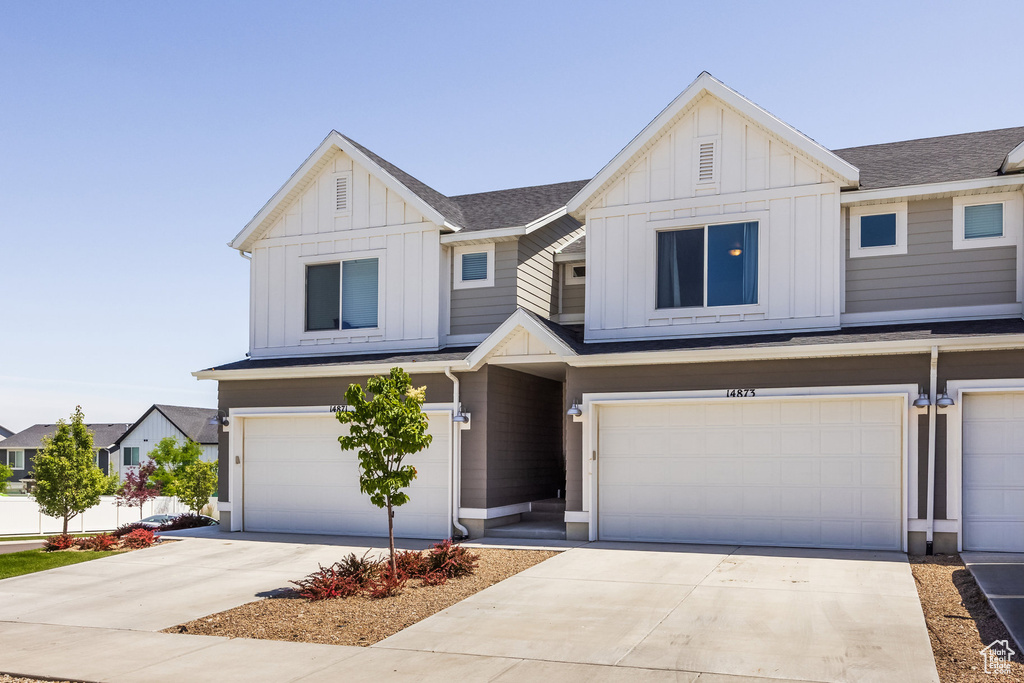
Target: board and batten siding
x,y
759,178
479,310
931,274
148,434
379,224
536,271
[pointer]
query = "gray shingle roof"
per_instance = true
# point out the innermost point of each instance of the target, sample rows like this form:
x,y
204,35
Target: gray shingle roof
x,y
407,358
515,207
933,160
194,423
578,246
103,435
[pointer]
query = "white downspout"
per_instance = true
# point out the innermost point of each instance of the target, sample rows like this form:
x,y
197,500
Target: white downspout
x,y
456,473
933,389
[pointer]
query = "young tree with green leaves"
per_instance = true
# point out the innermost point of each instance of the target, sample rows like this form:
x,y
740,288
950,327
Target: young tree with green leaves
x,y
5,474
67,480
383,430
182,473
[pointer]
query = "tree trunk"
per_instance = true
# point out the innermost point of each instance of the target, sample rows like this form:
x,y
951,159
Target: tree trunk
x,y
391,537
66,525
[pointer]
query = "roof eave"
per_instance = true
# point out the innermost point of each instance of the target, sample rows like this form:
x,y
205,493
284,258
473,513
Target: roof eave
x,y
1014,161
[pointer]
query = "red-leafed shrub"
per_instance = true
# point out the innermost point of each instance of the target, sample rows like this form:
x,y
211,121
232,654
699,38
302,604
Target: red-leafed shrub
x,y
362,569
388,584
434,579
451,560
126,529
60,542
328,582
412,563
140,538
98,542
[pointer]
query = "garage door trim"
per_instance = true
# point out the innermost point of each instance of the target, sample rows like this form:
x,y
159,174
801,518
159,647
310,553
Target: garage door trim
x,y
236,439
591,447
957,389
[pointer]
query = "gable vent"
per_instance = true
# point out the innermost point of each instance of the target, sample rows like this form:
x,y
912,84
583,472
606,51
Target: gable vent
x,y
341,193
706,162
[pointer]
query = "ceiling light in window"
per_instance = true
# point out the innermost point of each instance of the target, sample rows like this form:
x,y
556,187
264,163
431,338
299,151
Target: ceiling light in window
x,y
735,252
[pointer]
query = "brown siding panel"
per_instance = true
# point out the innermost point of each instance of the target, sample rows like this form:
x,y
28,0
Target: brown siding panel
x,y
537,288
480,310
932,274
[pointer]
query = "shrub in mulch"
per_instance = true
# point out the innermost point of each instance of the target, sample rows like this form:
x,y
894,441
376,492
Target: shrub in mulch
x,y
138,539
374,577
60,542
99,542
126,529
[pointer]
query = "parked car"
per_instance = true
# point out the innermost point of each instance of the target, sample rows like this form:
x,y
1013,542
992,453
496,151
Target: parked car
x,y
157,521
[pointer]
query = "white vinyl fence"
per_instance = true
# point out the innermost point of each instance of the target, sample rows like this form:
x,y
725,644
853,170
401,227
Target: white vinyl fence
x,y
19,515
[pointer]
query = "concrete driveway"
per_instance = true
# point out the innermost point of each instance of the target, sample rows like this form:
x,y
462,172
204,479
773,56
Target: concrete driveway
x,y
601,612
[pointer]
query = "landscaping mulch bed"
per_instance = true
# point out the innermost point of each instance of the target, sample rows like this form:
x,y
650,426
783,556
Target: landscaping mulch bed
x,y
960,620
4,678
359,620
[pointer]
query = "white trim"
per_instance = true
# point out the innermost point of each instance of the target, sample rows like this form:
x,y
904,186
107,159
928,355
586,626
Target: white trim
x,y
569,258
944,314
859,212
465,339
503,234
463,249
1013,219
849,197
591,402
519,319
706,83
334,140
340,259
1014,160
224,506
569,318
577,516
10,453
941,525
954,440
493,513
570,277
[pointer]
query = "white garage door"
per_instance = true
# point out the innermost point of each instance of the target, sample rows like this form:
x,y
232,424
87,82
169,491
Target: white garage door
x,y
993,471
296,478
815,472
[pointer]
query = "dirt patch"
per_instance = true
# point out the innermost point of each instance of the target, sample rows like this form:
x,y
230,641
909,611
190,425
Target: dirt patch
x,y
359,620
960,620
4,678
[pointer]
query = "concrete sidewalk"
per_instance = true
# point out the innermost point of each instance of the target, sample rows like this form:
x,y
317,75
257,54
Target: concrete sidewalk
x,y
1000,577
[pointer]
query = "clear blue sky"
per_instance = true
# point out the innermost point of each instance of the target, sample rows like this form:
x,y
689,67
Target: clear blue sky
x,y
136,138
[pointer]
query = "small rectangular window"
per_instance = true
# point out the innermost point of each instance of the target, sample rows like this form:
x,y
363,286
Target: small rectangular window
x,y
983,220
16,459
96,458
579,272
131,456
878,231
323,296
474,266
359,288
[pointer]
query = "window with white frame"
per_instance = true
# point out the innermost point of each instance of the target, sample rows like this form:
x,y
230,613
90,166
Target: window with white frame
x,y
705,266
988,220
575,273
96,458
343,295
878,230
130,456
16,459
474,266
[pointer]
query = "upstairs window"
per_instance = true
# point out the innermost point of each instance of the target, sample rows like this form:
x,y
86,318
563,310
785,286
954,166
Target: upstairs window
x,y
342,295
575,273
130,456
474,266
987,220
713,265
878,230
16,459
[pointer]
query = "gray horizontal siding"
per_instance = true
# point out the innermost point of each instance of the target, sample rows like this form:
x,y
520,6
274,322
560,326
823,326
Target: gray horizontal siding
x,y
537,287
931,274
481,309
573,299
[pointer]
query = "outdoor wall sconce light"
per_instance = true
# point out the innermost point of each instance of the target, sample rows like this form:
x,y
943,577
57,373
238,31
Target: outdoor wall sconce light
x,y
575,410
460,416
221,418
944,400
922,401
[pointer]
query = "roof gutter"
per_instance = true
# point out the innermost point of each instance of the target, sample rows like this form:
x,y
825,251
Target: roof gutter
x,y
499,233
328,370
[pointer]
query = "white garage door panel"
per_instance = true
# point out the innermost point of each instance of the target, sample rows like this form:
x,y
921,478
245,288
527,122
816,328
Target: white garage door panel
x,y
297,479
993,471
815,472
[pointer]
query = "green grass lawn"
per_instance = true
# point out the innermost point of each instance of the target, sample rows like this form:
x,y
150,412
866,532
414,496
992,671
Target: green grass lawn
x,y
28,561
43,538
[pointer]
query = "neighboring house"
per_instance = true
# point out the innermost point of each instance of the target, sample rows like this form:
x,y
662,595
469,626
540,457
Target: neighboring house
x,y
161,421
19,450
5,432
759,341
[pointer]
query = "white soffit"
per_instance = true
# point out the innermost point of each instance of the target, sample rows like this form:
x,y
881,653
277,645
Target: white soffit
x,y
706,83
1014,161
305,174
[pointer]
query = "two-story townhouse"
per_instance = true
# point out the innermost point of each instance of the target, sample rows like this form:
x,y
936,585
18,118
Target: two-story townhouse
x,y
730,334
18,451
